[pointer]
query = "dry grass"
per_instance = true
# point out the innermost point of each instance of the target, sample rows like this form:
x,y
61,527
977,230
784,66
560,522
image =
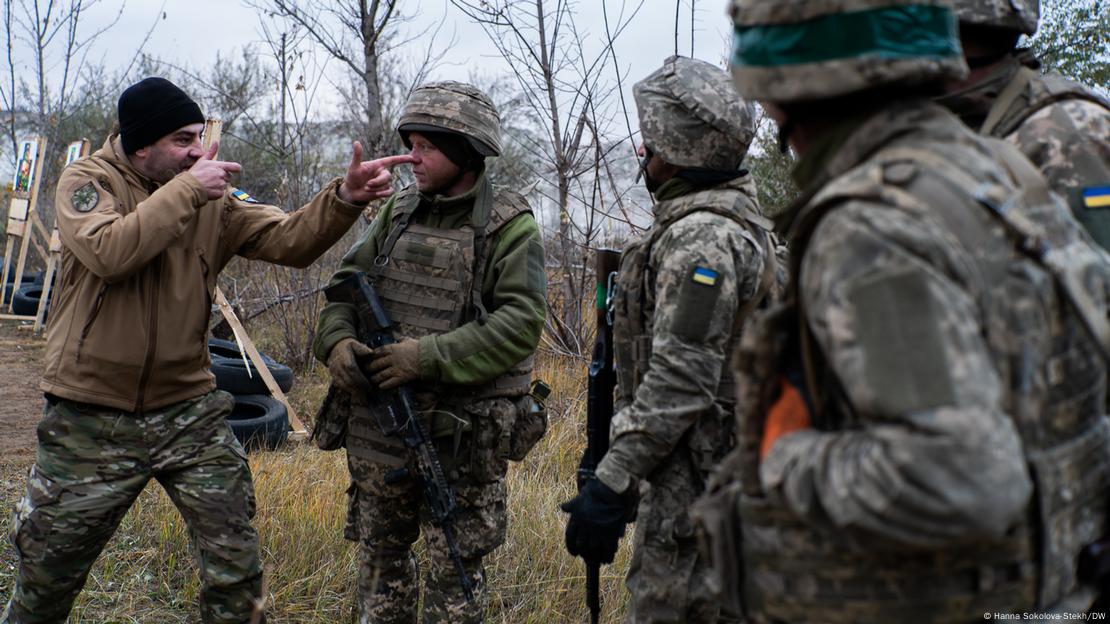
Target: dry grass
x,y
147,575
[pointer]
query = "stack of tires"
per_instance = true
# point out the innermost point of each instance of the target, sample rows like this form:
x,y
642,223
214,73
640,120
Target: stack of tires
x,y
25,300
259,421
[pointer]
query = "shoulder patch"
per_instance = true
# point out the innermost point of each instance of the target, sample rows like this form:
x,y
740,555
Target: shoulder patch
x,y
705,276
243,196
85,198
1096,197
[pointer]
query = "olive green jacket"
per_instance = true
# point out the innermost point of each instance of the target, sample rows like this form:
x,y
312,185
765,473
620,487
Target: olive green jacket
x,y
512,293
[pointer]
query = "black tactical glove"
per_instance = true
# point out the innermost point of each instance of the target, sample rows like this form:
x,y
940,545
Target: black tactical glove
x,y
597,519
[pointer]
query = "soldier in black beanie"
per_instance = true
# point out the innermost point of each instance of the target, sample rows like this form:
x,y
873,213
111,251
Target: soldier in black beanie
x,y
152,108
147,223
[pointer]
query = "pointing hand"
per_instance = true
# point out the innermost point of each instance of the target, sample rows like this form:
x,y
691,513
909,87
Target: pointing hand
x,y
213,174
369,180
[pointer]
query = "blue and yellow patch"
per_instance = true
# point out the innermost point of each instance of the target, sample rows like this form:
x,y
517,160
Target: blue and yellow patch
x,y
704,275
243,196
1096,197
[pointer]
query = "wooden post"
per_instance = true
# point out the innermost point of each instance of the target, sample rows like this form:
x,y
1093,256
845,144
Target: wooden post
x,y
212,128
298,432
75,150
25,192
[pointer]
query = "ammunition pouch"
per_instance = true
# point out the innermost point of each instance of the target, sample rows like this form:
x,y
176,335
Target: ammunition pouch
x,y
329,430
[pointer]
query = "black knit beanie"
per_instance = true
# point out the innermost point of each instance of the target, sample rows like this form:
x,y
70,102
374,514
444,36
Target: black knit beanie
x,y
152,108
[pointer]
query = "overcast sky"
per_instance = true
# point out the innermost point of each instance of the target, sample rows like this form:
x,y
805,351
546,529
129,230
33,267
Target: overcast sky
x,y
193,31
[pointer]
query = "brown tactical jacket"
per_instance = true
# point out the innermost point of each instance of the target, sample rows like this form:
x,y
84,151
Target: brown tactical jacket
x,y
139,266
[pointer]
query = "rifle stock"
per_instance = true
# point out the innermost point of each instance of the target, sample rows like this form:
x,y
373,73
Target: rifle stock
x,y
599,402
396,416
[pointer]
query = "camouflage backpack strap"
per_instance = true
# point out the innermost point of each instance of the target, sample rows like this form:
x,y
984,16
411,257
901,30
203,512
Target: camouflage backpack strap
x,y
1050,251
493,208
1027,93
404,207
479,221
739,211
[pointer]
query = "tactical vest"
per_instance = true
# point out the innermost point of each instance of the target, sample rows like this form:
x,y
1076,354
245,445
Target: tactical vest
x,y
1028,93
793,570
430,282
634,305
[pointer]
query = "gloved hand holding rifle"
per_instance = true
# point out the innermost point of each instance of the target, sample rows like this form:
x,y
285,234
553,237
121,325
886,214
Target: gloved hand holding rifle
x,y
392,405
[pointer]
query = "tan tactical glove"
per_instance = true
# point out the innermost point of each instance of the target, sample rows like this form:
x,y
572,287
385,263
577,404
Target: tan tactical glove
x,y
343,364
396,364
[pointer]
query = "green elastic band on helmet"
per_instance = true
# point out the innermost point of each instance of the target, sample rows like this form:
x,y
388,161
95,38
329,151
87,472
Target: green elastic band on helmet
x,y
905,32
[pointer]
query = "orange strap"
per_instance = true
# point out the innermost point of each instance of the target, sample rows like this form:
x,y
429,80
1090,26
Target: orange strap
x,y
787,415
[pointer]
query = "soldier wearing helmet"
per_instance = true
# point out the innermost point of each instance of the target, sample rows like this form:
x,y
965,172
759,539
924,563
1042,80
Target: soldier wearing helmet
x,y
920,424
683,290
458,263
1062,126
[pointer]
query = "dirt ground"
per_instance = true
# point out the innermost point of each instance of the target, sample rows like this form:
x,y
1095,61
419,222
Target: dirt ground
x,y
20,398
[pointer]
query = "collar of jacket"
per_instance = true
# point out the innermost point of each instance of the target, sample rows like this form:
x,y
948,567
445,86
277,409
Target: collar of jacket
x,y
112,152
972,104
850,143
447,204
676,188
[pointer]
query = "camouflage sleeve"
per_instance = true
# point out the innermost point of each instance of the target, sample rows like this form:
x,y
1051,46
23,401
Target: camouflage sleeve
x,y
113,245
934,457
1069,142
705,267
261,232
339,320
514,294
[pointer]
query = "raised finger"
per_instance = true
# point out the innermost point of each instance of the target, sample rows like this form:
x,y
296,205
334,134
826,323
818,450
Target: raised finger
x,y
390,161
212,151
356,155
228,166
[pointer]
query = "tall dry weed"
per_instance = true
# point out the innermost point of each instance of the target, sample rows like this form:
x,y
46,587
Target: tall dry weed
x,y
147,575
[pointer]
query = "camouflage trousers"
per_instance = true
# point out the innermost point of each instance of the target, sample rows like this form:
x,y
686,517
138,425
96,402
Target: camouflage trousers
x,y
668,579
91,465
388,518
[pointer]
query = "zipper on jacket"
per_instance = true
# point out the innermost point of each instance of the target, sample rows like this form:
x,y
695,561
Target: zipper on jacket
x,y
92,317
152,344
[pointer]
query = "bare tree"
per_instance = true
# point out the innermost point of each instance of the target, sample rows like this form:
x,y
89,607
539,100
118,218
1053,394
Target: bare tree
x,y
564,85
351,32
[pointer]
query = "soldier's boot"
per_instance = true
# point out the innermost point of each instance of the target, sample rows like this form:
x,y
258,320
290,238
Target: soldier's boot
x,y
387,586
444,600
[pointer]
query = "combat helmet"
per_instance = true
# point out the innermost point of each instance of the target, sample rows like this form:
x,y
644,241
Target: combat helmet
x,y
1017,15
691,115
817,49
457,107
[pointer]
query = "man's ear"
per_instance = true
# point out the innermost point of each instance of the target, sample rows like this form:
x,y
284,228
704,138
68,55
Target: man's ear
x,y
141,152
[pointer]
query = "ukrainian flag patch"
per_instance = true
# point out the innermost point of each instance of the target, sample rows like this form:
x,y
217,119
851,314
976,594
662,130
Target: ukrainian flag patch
x,y
243,196
706,276
1096,197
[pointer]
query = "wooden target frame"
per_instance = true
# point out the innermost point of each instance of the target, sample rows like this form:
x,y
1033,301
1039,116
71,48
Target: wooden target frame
x,y
23,219
298,433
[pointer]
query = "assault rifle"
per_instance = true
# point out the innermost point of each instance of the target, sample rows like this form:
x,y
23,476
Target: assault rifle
x,y
395,415
599,402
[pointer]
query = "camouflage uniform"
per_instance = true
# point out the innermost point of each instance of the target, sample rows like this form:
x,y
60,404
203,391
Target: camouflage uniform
x,y
80,488
956,460
438,274
1061,126
682,292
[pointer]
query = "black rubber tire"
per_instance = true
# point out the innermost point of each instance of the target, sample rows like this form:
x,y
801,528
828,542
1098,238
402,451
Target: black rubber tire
x,y
9,292
38,277
25,301
231,371
259,421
